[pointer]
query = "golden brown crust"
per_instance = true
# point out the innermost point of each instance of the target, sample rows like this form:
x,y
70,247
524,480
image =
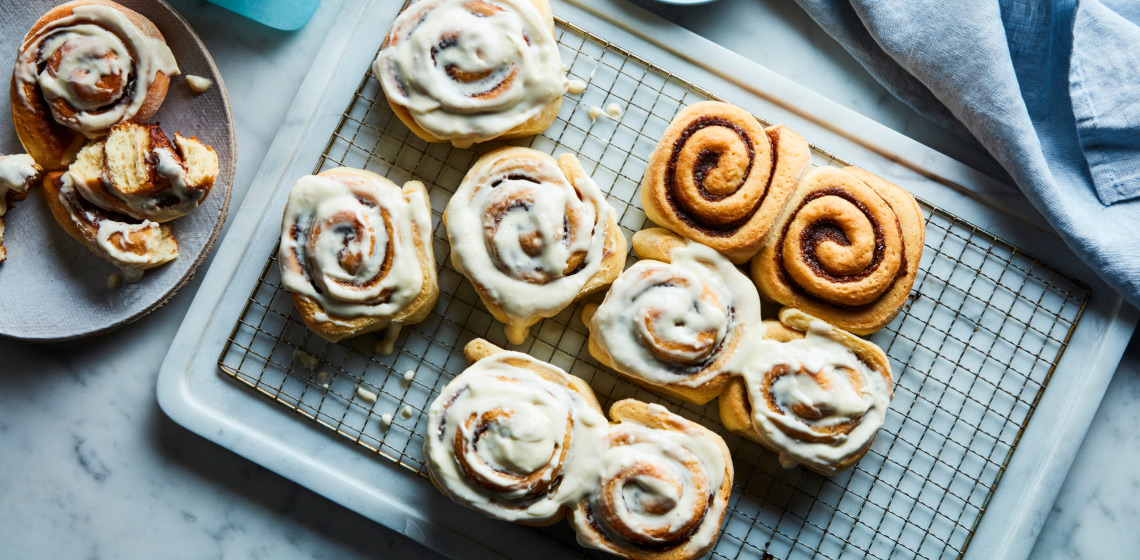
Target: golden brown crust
x,y
479,348
51,144
533,125
729,201
873,287
162,245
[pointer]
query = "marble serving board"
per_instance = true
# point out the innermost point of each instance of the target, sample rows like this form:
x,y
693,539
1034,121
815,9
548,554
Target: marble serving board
x,y
52,288
195,393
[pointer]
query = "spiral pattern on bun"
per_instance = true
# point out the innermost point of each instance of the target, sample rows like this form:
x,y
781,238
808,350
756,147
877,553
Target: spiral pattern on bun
x,y
846,249
84,67
817,396
356,252
676,324
513,437
467,71
664,485
720,178
533,235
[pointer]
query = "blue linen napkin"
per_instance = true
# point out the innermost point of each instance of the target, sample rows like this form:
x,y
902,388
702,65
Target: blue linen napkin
x,y
1050,88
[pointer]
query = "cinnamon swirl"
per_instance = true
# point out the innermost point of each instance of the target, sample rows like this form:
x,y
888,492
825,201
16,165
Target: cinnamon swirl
x,y
720,178
356,253
17,174
845,249
514,438
533,235
467,71
678,321
84,67
663,487
814,394
129,244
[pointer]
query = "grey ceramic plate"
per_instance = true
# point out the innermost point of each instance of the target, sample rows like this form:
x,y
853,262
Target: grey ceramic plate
x,y
51,287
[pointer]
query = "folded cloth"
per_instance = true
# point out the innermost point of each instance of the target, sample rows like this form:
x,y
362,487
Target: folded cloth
x,y
1051,88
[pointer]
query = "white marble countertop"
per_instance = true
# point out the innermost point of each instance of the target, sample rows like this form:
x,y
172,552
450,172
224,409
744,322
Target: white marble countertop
x,y
94,469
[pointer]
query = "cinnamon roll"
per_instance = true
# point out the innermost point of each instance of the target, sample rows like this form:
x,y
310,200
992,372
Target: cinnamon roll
x,y
17,174
467,71
679,321
131,245
720,178
846,249
814,394
356,253
84,67
514,438
664,484
137,171
533,235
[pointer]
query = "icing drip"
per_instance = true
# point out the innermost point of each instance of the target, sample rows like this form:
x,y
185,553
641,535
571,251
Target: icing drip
x,y
469,70
15,172
681,322
511,443
525,235
198,84
347,243
93,67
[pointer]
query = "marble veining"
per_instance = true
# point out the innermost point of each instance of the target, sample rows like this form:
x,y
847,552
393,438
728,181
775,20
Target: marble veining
x,y
88,455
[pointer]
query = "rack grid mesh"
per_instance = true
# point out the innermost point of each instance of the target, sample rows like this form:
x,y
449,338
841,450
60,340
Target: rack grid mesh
x,y
973,349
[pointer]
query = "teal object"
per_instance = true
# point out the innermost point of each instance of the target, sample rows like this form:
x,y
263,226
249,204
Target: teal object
x,y
286,15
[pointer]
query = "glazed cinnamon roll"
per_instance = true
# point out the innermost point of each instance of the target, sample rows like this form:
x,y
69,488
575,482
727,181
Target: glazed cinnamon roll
x,y
137,171
356,254
84,67
513,437
720,178
846,249
467,71
533,235
17,174
678,321
131,245
664,483
814,394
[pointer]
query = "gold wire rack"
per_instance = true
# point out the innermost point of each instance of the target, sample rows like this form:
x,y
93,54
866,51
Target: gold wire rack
x,y
973,349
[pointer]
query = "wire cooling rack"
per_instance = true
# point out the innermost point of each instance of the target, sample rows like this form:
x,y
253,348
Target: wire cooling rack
x,y
972,351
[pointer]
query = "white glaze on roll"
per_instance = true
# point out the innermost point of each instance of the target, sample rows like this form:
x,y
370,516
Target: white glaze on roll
x,y
672,323
506,423
531,200
15,172
467,71
317,231
863,403
93,43
107,244
662,485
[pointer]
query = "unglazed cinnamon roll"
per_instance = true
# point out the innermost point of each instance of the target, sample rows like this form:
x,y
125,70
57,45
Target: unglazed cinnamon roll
x,y
137,171
84,67
356,254
17,174
664,483
678,321
513,437
814,394
720,178
467,71
533,235
130,245
845,249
